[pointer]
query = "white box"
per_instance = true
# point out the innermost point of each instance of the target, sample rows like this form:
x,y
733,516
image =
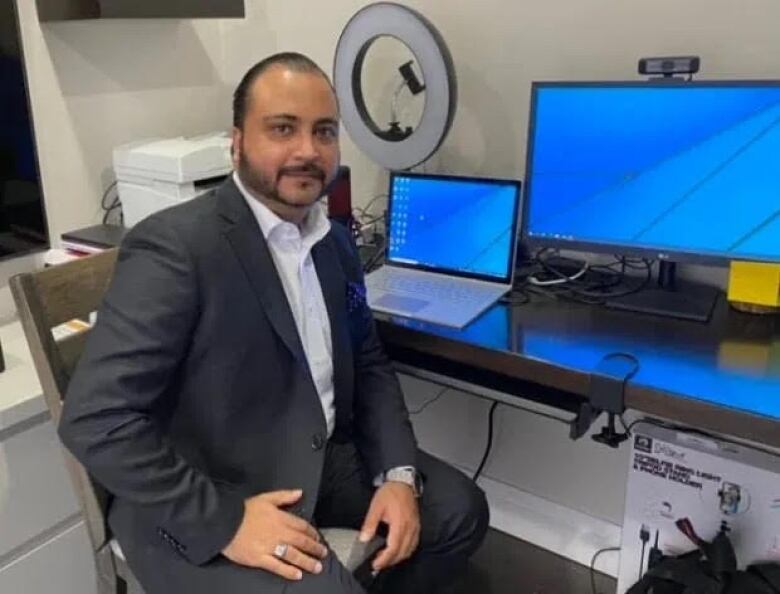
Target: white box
x,y
675,475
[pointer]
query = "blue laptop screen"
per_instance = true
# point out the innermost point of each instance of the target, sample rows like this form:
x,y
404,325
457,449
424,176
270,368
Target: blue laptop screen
x,y
458,225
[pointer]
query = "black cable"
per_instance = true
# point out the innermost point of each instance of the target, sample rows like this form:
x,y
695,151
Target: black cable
x,y
623,422
593,565
591,292
106,192
598,284
363,211
116,203
489,444
516,298
371,220
376,256
644,536
656,555
427,403
611,295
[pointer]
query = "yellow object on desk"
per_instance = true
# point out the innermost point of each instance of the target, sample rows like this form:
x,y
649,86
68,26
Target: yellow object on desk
x,y
754,284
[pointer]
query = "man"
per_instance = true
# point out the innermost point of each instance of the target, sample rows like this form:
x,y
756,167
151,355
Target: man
x,y
234,396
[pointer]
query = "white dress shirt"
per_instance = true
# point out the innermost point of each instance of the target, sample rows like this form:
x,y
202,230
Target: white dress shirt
x,y
290,247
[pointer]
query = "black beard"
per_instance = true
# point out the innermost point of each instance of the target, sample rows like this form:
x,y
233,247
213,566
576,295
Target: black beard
x,y
262,186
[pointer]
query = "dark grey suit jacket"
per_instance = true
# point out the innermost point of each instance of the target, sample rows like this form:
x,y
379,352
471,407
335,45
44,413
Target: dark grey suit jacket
x,y
193,392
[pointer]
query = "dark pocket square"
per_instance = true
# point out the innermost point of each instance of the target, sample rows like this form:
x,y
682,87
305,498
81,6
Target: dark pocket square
x,y
356,296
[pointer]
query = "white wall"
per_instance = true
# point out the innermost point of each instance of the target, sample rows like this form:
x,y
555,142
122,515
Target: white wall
x,y
96,84
99,83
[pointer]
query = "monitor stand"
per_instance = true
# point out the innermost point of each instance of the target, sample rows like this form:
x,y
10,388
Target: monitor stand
x,y
685,301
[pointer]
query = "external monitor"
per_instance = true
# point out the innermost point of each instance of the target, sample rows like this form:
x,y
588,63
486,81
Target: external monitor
x,y
23,226
669,170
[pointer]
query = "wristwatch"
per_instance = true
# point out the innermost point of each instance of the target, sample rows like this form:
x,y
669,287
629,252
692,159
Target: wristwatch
x,y
408,476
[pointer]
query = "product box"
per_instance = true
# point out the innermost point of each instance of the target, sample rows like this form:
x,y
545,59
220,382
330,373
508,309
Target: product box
x,y
675,475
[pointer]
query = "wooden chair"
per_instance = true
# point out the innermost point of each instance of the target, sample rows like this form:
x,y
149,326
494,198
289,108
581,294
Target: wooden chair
x,y
48,298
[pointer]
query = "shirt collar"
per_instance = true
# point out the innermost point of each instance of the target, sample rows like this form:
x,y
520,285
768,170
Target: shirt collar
x,y
315,225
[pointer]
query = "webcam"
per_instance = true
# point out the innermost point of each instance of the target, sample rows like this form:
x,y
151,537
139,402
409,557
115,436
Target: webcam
x,y
668,67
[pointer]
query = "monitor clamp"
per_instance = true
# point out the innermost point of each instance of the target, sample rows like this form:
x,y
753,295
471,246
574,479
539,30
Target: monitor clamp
x,y
606,394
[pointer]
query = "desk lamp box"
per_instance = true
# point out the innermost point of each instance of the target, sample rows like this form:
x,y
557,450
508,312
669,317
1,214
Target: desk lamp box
x,y
755,283
675,475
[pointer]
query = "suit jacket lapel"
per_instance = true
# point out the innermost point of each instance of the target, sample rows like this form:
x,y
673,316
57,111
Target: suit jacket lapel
x,y
334,291
252,252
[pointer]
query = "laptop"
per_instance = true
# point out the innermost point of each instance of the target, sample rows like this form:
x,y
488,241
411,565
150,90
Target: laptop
x,y
450,251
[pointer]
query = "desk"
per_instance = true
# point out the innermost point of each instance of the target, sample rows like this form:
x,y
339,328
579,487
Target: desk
x,y
723,376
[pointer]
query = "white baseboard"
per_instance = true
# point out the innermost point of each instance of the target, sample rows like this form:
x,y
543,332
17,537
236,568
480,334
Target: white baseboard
x,y
548,525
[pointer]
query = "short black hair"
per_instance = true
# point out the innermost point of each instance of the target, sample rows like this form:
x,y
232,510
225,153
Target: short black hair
x,y
290,60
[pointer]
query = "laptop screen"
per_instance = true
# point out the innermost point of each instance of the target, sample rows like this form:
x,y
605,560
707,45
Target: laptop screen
x,y
457,225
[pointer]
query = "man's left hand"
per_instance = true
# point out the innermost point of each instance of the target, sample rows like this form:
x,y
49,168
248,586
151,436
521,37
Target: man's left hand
x,y
395,505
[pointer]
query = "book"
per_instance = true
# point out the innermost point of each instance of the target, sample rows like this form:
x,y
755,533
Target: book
x,y
94,239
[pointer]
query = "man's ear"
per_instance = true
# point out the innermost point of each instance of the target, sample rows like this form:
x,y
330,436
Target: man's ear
x,y
235,149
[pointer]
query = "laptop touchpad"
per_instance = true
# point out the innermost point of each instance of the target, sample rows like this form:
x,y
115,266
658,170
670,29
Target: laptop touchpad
x,y
401,303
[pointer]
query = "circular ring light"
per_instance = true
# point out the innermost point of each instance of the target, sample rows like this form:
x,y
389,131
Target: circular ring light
x,y
424,41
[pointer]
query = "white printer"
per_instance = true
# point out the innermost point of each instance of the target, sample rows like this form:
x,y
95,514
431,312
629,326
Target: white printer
x,y
155,174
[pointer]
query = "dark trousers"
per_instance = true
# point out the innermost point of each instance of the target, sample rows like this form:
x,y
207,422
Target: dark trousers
x,y
453,517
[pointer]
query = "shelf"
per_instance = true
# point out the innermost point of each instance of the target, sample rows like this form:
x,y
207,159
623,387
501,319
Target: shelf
x,y
69,10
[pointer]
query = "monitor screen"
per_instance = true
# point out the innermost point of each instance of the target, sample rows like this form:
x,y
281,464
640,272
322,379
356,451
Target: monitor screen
x,y
22,218
464,226
686,171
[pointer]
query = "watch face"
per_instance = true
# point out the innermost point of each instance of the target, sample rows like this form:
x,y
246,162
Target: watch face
x,y
418,484
407,476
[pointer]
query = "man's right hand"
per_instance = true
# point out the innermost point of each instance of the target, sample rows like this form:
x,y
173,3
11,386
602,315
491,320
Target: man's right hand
x,y
266,525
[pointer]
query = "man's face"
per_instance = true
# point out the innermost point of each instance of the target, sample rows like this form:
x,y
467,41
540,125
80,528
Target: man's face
x,y
288,149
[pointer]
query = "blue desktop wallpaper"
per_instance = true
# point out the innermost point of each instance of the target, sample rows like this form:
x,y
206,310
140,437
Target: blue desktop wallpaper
x,y
684,169
461,225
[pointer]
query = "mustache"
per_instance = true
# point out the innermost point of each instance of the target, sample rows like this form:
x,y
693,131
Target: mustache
x,y
311,170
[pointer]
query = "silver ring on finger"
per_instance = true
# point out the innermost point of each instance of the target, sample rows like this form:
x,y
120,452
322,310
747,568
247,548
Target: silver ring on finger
x,y
280,551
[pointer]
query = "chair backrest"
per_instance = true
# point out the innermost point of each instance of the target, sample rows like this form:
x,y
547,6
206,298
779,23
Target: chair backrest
x,y
46,299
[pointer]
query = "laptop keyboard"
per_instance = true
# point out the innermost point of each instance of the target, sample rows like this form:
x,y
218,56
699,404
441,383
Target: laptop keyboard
x,y
440,289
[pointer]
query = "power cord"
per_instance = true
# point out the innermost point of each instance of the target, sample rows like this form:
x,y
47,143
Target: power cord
x,y
428,402
116,203
363,212
376,257
516,297
596,555
589,284
489,444
559,281
644,536
656,555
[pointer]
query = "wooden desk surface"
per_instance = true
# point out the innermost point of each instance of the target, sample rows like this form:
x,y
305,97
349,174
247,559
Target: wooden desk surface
x,y
722,376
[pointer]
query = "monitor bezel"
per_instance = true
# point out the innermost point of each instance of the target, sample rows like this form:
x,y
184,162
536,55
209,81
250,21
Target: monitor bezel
x,y
44,244
508,277
603,247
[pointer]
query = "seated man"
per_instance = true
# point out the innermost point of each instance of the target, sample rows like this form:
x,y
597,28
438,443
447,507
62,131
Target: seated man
x,y
233,395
